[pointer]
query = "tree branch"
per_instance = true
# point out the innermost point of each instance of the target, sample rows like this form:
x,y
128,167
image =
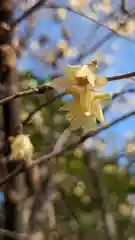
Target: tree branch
x,y
26,14
45,104
38,90
44,87
57,6
12,235
71,146
116,95
121,76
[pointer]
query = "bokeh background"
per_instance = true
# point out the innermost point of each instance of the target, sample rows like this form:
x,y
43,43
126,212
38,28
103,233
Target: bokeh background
x,y
89,191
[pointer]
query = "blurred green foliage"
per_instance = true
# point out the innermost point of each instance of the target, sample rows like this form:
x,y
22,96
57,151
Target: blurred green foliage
x,y
78,195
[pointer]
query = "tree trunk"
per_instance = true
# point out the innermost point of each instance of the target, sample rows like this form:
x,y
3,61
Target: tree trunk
x,y
11,115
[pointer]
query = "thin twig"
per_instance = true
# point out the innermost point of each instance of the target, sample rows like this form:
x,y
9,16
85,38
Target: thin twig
x,y
99,43
71,146
11,234
44,87
27,13
121,76
45,104
81,140
57,6
40,89
116,95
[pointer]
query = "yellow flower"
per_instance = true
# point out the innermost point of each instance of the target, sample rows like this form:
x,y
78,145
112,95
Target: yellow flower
x,y
88,104
21,148
79,76
91,101
77,117
85,107
85,75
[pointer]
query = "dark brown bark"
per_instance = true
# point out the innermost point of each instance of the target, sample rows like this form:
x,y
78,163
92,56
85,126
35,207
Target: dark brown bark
x,y
13,211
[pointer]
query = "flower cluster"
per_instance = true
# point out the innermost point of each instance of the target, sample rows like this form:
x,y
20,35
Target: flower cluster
x,y
85,107
21,148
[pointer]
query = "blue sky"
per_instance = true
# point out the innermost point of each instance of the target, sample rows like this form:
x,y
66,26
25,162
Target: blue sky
x,y
121,60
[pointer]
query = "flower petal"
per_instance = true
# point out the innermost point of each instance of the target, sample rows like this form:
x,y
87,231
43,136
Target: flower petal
x,y
91,79
67,106
73,107
89,124
101,96
100,81
74,90
71,69
98,112
93,68
82,71
61,83
76,123
77,117
85,99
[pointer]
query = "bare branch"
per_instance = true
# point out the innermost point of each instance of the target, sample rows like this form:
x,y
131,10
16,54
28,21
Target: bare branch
x,y
26,14
123,6
45,104
12,235
71,146
80,141
121,76
56,6
116,95
40,89
44,87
